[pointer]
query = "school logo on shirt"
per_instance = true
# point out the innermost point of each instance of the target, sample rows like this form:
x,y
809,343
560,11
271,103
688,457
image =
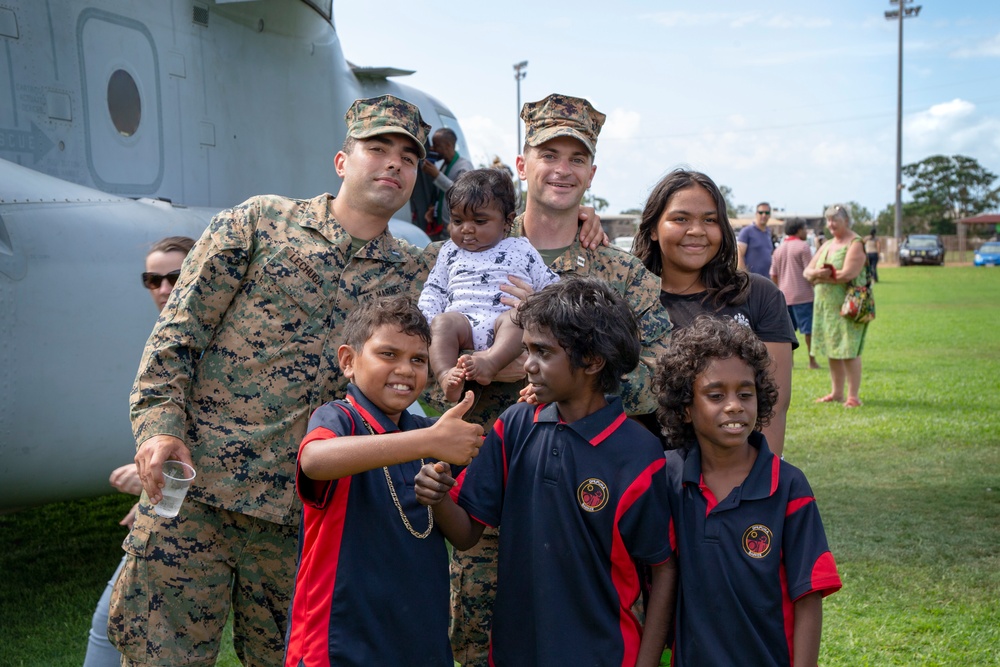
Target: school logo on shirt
x,y
592,495
757,541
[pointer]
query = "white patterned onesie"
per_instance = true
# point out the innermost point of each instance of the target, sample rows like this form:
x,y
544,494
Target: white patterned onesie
x,y
469,282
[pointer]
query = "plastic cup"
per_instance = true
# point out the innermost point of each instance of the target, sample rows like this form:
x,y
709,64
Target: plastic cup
x,y
177,477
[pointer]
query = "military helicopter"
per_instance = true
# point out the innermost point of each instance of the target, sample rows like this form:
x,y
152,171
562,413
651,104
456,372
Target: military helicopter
x,y
122,122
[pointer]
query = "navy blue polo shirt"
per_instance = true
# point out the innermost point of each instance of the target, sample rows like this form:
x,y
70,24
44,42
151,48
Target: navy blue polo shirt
x,y
578,502
367,592
744,560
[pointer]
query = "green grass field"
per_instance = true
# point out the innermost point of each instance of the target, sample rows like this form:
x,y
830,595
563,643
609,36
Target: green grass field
x,y
908,485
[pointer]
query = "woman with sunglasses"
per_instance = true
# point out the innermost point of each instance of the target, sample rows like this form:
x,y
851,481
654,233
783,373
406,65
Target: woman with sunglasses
x,y
163,266
685,237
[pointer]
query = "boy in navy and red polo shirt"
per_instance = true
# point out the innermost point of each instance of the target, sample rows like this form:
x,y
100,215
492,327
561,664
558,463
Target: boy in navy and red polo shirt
x,y
371,586
752,555
579,489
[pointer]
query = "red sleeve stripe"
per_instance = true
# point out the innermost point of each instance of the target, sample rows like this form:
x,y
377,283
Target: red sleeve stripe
x,y
797,504
603,435
478,520
825,577
457,489
318,486
623,571
318,433
498,427
775,474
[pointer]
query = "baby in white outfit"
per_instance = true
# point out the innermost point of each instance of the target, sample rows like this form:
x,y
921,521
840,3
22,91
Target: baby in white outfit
x,y
462,299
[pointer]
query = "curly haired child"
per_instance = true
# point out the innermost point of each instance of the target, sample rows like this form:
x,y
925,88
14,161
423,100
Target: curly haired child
x,y
752,556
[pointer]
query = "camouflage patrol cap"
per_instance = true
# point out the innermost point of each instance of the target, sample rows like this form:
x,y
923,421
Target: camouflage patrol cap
x,y
387,114
562,116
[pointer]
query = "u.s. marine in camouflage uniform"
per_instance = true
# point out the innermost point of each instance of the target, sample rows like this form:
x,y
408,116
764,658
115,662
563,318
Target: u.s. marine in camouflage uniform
x,y
245,350
558,166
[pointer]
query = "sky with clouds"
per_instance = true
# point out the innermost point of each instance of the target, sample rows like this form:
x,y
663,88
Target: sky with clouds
x,y
790,102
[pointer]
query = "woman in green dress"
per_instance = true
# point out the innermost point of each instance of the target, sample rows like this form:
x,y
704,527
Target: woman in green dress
x,y
838,262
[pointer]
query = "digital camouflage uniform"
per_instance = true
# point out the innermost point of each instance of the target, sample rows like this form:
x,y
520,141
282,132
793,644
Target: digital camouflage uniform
x,y
474,572
243,353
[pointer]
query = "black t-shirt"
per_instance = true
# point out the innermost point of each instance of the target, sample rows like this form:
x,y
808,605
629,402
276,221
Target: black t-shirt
x,y
764,311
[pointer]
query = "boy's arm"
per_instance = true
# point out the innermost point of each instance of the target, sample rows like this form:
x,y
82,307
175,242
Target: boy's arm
x,y
432,485
450,439
659,614
808,628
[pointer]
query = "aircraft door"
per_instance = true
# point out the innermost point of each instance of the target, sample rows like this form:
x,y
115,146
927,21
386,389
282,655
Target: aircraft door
x,y
121,103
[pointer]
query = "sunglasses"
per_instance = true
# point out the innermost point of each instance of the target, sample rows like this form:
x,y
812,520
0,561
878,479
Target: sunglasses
x,y
763,213
154,280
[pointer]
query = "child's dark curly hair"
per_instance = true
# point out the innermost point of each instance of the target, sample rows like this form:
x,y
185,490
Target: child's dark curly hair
x,y
590,320
481,188
689,353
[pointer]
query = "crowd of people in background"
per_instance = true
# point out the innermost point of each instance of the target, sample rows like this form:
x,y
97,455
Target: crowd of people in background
x,y
630,402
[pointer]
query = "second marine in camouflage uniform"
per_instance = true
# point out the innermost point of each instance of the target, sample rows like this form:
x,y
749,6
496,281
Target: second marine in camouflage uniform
x,y
555,128
245,350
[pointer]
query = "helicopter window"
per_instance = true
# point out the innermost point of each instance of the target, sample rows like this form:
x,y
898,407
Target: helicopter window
x,y
124,103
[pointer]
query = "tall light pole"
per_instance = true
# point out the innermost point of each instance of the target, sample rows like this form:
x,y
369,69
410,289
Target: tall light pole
x,y
900,14
519,73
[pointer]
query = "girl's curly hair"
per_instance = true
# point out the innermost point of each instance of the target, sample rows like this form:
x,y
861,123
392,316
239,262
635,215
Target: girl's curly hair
x,y
689,353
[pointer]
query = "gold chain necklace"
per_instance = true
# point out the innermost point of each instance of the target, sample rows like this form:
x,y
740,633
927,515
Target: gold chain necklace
x,y
395,498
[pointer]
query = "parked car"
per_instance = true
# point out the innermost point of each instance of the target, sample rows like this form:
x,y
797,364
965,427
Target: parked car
x,y
922,249
988,254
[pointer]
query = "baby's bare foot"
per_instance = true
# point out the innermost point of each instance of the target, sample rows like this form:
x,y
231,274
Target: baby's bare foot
x,y
452,382
479,367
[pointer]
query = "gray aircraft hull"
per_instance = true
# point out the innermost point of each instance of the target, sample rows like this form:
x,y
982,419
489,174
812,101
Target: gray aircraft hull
x,y
122,122
73,321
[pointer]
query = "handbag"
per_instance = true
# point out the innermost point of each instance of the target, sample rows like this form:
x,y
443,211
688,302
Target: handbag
x,y
859,301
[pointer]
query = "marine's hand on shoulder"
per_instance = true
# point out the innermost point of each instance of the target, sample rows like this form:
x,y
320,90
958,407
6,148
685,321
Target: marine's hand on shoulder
x,y
149,460
452,438
126,479
433,482
591,232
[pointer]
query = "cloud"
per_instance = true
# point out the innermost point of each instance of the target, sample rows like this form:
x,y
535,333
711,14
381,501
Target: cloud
x,y
949,128
689,19
621,124
989,48
940,116
785,22
680,19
